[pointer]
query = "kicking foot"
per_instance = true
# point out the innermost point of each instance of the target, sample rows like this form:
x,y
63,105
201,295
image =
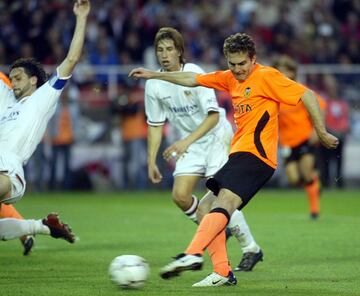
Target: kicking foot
x,y
214,280
181,263
58,229
249,260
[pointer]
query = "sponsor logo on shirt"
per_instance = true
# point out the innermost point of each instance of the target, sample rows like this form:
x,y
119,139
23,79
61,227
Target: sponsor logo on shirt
x,y
12,116
185,109
188,94
242,108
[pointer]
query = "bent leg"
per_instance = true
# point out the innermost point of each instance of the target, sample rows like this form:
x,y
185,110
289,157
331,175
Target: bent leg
x,y
237,224
214,222
9,211
11,228
5,187
183,197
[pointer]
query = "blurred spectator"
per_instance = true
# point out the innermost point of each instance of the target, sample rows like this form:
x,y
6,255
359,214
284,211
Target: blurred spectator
x,y
61,131
338,123
36,169
130,107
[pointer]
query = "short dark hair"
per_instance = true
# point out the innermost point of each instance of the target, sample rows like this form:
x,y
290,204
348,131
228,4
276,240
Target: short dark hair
x,y
174,35
32,68
286,62
239,42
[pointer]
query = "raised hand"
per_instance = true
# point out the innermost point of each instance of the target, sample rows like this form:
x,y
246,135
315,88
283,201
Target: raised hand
x,y
81,7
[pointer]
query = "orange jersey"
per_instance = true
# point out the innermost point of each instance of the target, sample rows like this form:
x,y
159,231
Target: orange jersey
x,y
295,125
5,79
256,107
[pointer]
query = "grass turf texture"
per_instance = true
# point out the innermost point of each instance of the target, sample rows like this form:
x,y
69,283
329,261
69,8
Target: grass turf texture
x,y
302,257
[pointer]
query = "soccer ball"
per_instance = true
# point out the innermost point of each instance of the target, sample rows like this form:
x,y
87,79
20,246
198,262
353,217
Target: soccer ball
x,y
129,271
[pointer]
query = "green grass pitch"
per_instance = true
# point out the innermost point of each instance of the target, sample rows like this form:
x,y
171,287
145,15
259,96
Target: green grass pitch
x,y
302,257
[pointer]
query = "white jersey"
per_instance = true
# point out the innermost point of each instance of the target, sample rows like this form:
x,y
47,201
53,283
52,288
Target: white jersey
x,y
22,125
7,97
184,107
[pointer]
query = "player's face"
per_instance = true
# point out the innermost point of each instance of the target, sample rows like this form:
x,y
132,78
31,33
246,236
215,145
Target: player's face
x,y
240,64
167,55
23,85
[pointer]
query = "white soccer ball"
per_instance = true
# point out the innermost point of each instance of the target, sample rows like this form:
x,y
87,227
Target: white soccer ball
x,y
129,271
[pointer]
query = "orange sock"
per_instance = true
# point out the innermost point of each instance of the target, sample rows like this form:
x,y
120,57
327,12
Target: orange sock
x,y
211,225
8,211
313,193
218,254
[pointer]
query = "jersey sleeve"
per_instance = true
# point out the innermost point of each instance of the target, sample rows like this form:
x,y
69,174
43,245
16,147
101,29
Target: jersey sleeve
x,y
58,82
207,99
46,97
216,80
154,110
278,87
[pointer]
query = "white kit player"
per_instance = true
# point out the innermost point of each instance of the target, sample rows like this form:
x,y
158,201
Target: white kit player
x,y
23,124
205,139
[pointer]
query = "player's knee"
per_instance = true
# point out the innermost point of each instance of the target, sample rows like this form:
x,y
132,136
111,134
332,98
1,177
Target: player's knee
x,y
5,187
182,200
228,201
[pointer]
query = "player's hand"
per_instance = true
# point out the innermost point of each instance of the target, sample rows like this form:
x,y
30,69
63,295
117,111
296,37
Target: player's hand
x,y
328,140
154,174
81,7
141,73
175,150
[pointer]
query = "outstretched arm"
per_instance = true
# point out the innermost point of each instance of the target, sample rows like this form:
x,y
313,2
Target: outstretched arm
x,y
181,78
81,11
312,106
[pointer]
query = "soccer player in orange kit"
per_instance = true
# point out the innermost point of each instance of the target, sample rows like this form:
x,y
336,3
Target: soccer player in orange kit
x,y
257,92
298,141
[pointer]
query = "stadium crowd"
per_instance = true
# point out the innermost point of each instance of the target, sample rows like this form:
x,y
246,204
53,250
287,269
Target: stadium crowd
x,y
120,32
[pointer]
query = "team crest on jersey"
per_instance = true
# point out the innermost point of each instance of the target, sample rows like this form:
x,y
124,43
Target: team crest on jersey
x,y
247,92
187,93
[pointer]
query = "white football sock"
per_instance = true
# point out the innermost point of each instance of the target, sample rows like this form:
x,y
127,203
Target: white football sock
x,y
191,212
241,231
11,228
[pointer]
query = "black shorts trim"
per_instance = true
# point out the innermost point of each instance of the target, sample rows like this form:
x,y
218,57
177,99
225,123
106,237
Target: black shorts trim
x,y
300,150
243,174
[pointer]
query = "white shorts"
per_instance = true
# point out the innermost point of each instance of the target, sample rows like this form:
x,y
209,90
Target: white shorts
x,y
206,158
12,167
